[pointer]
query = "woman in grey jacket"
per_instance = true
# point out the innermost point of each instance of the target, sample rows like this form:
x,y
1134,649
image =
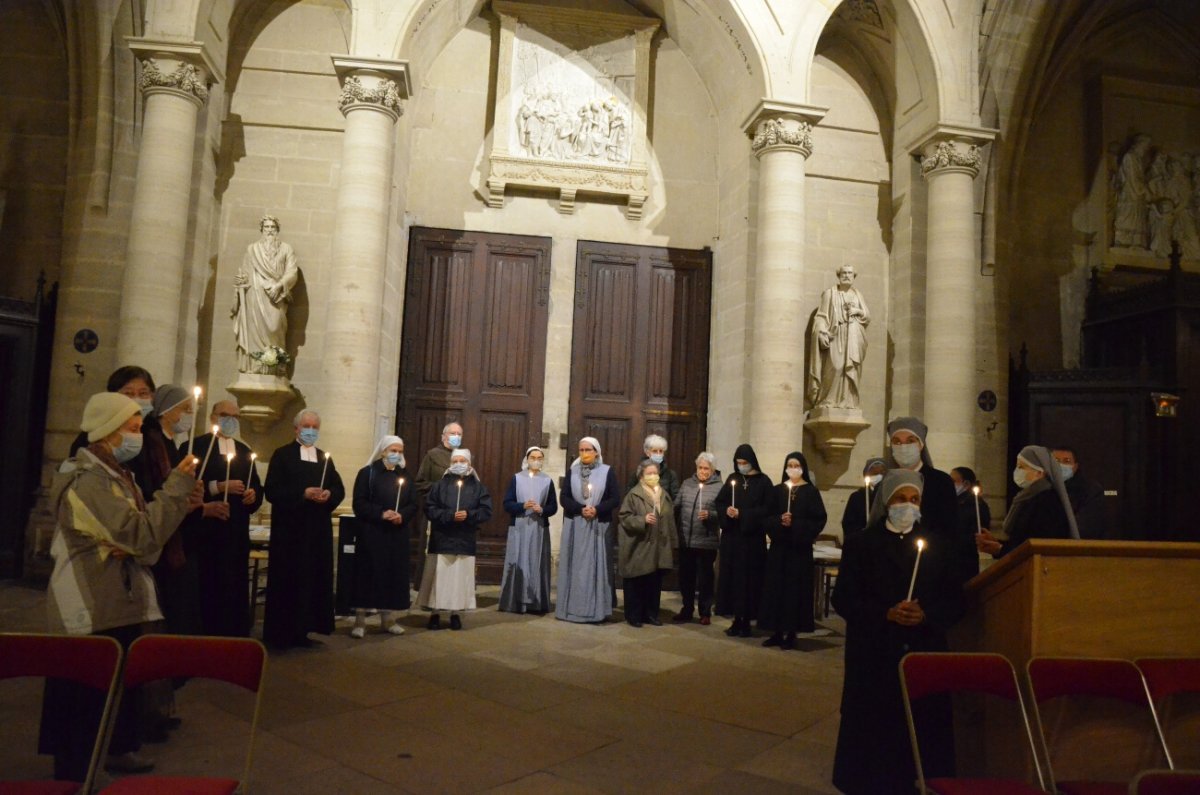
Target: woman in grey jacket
x,y
699,537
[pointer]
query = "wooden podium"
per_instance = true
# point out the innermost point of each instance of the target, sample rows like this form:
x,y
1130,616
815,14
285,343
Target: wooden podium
x,y
1121,599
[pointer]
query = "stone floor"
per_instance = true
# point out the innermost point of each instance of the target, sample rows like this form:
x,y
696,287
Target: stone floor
x,y
512,704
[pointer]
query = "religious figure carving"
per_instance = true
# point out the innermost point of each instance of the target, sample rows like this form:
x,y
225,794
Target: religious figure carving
x,y
262,291
1129,226
1156,200
839,344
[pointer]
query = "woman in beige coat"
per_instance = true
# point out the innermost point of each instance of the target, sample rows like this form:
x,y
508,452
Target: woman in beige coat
x,y
647,534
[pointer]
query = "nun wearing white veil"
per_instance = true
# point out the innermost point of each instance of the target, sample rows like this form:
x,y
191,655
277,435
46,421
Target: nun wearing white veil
x,y
530,501
585,592
385,504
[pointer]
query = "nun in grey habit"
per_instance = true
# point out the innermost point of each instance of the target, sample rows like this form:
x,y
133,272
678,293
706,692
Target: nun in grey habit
x,y
591,497
1041,508
530,501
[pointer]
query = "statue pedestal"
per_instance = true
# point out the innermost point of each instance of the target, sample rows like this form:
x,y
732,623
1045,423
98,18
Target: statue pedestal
x,y
261,398
834,430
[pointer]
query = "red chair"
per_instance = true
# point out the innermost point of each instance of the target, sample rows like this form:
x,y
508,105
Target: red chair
x,y
1119,680
90,660
930,674
1167,677
1166,782
239,661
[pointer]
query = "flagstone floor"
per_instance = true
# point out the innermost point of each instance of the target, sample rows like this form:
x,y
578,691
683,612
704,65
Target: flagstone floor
x,y
512,704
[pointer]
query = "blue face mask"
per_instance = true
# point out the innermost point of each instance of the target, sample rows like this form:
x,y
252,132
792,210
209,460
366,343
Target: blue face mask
x,y
144,406
395,459
454,440
745,469
1067,471
902,516
230,426
459,468
308,436
656,458
130,446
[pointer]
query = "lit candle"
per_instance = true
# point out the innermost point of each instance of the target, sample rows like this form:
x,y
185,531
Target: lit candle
x,y
324,469
733,493
913,582
867,496
250,470
791,490
399,488
978,522
208,452
588,499
192,432
458,499
228,464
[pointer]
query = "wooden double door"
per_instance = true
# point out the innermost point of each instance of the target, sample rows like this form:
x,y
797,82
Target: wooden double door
x,y
474,351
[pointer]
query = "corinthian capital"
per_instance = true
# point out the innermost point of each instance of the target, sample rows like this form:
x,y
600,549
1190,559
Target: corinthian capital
x,y
952,154
182,68
949,148
373,84
782,126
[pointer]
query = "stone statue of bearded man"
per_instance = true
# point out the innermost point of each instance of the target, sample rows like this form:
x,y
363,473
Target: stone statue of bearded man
x,y
262,290
839,345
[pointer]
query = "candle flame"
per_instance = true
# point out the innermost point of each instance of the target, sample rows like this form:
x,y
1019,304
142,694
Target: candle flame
x,y
328,456
975,490
920,543
460,484
216,429
867,481
229,456
253,456
196,391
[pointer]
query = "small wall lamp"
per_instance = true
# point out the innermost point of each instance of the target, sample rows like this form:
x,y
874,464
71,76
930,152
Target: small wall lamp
x,y
1165,404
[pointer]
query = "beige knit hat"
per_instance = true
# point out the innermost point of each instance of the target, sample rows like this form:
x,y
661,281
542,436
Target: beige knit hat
x,y
105,412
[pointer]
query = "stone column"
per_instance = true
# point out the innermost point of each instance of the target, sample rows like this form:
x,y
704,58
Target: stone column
x,y
372,92
174,81
950,164
782,142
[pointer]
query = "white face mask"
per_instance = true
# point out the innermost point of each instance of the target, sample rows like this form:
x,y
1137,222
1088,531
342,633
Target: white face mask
x,y
902,516
535,465
184,423
460,468
876,479
907,455
795,473
1020,478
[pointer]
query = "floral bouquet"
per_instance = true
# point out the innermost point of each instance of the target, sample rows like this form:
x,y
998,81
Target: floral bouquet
x,y
273,357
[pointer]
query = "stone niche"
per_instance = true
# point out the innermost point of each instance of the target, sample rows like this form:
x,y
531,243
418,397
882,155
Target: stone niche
x,y
572,88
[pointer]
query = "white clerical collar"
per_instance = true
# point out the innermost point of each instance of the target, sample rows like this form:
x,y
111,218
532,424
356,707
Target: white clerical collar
x,y
225,445
308,453
892,528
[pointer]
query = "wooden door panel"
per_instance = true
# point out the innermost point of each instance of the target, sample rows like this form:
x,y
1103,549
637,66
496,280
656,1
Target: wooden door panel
x,y
474,351
611,333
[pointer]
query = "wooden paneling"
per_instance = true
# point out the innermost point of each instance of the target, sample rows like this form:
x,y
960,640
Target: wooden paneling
x,y
640,351
474,350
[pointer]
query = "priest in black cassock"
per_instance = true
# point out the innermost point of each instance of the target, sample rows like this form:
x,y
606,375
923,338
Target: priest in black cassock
x,y
874,756
300,584
223,537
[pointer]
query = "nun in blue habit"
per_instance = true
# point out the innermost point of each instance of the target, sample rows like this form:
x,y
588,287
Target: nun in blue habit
x,y
530,501
585,593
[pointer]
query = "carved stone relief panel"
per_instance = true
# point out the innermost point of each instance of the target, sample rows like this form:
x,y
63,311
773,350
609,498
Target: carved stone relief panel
x,y
572,89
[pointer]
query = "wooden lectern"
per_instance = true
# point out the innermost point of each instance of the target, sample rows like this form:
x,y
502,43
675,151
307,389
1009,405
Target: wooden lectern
x,y
1123,599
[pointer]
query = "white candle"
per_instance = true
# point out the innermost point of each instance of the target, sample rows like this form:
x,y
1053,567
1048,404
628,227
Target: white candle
x,y
192,432
399,488
791,490
588,499
733,493
208,452
250,471
978,522
458,499
228,464
913,582
867,496
324,469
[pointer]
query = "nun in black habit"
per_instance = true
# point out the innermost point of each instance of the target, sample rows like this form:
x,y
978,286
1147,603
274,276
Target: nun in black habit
x,y
795,517
874,756
742,505
300,586
1041,509
854,517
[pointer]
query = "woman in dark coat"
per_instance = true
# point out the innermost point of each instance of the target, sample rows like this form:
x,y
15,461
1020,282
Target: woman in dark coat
x,y
874,755
854,517
456,506
530,501
646,536
742,506
1041,508
385,504
699,536
965,480
795,517
300,584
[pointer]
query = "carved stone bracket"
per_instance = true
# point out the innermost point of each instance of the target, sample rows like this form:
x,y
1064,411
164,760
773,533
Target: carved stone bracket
x,y
373,84
261,398
835,431
180,68
787,126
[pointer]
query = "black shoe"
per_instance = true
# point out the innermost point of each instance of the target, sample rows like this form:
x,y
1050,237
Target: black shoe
x,y
733,629
653,621
455,623
682,617
774,640
746,631
633,623
435,622
789,642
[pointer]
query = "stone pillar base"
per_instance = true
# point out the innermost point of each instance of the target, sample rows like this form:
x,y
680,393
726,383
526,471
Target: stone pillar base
x,y
261,398
834,430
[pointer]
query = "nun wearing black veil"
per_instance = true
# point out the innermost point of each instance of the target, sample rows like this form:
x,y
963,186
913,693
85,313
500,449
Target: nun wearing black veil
x,y
795,517
1041,508
530,501
874,756
742,505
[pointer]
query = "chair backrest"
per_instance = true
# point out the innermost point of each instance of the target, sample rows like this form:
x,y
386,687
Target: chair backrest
x,y
90,660
1056,677
1174,685
1166,782
238,661
1169,676
925,674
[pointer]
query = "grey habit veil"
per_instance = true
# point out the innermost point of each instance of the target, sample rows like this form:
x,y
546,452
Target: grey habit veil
x,y
585,593
1041,458
525,585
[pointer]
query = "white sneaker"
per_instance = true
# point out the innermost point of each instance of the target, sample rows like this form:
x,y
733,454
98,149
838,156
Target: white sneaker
x,y
358,632
396,629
